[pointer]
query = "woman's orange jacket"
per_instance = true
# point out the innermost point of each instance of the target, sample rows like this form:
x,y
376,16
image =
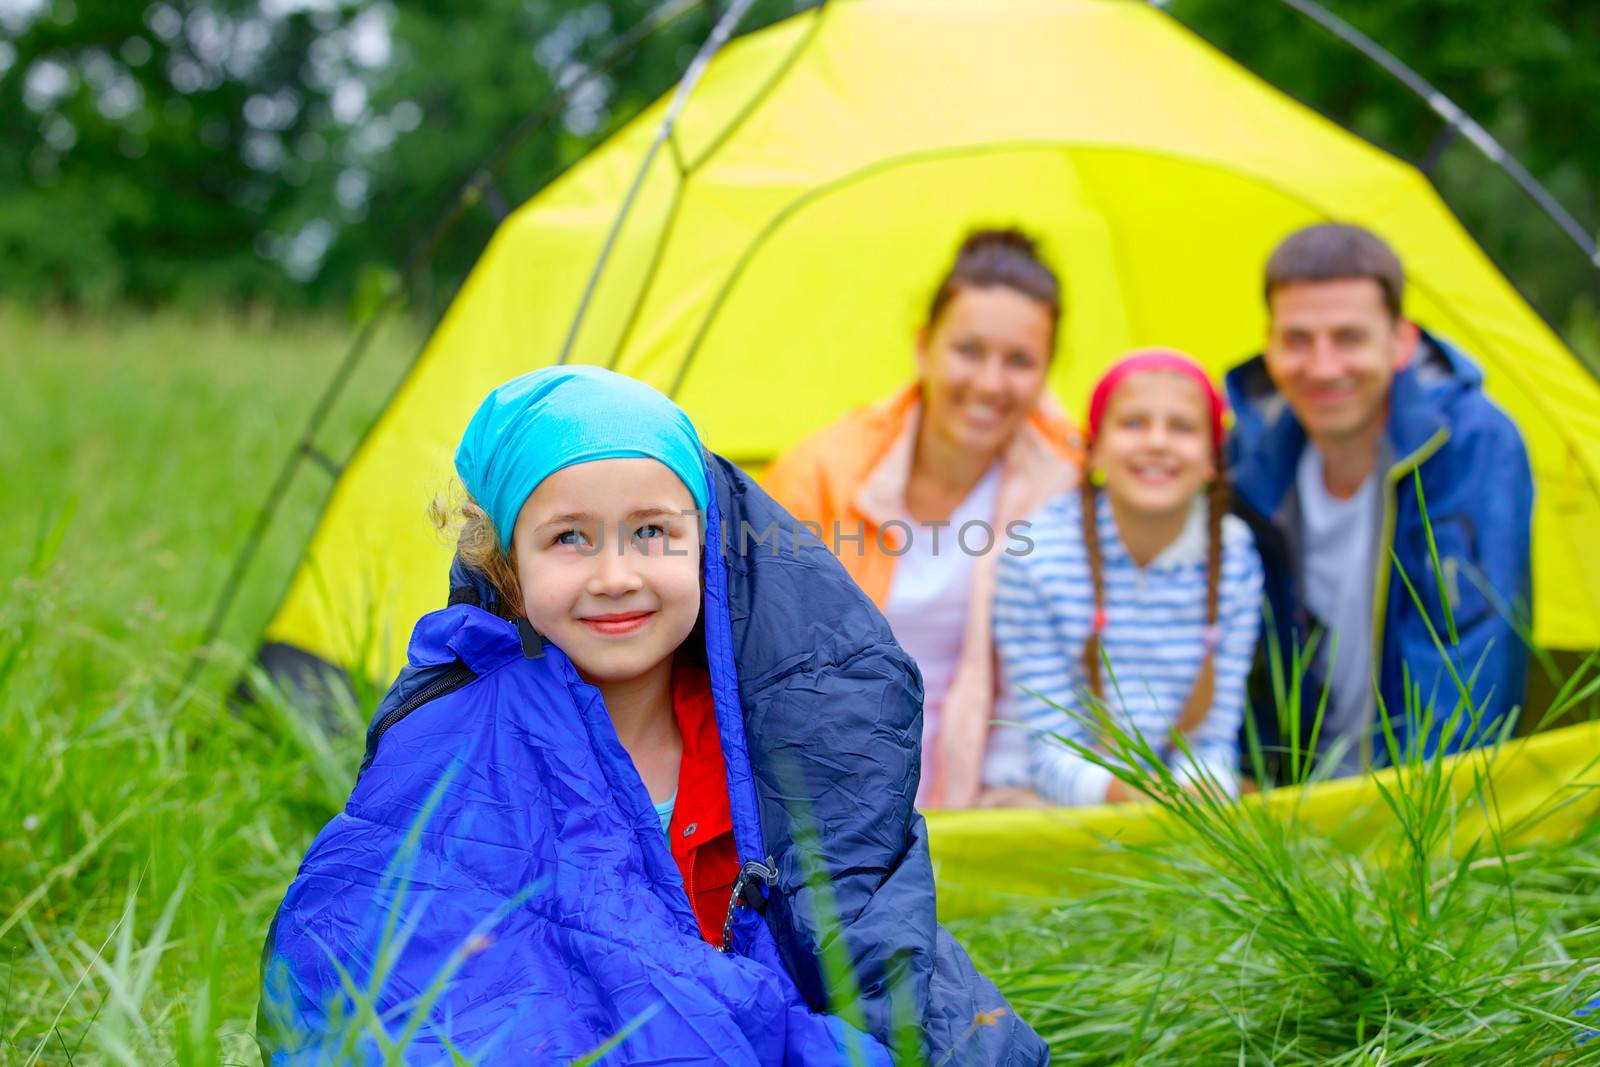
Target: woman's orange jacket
x,y
851,478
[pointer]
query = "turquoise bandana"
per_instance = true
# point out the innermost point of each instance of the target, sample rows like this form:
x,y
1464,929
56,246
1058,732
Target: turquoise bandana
x,y
550,419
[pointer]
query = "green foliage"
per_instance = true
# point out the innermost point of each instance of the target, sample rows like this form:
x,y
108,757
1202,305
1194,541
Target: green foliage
x,y
145,150
149,830
286,152
1213,956
275,151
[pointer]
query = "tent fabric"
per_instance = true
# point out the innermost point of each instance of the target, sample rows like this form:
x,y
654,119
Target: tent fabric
x,y
535,925
1539,788
771,271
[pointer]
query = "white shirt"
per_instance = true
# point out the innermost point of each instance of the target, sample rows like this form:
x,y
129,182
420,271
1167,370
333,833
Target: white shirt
x,y
930,596
1154,638
1339,539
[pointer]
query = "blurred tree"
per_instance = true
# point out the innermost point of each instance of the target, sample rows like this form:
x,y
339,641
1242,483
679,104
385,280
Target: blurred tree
x,y
287,151
299,151
143,148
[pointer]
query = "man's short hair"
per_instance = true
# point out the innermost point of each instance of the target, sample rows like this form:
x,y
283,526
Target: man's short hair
x,y
1334,251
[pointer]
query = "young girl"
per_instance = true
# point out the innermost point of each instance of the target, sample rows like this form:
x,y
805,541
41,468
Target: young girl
x,y
574,823
1145,569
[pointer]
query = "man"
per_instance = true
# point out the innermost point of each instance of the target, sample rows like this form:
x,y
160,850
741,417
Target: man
x,y
1349,408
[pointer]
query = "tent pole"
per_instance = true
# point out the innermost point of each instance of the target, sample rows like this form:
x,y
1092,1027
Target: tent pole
x,y
1455,118
720,34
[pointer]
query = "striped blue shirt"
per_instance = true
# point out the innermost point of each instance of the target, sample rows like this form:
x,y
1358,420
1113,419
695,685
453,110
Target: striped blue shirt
x,y
1154,639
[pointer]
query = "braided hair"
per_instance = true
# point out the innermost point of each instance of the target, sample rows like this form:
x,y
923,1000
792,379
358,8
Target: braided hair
x,y
1198,703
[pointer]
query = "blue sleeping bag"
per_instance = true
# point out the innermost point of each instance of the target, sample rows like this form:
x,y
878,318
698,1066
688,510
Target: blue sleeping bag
x,y
498,887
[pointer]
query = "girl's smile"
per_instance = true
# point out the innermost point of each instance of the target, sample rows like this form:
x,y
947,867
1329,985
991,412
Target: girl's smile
x,y
608,558
1153,472
1154,446
619,623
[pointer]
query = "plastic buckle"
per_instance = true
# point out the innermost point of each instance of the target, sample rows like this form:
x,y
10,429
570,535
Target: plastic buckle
x,y
747,894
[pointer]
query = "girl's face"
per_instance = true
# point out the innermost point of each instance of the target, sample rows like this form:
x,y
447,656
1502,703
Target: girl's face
x,y
983,366
608,554
1154,445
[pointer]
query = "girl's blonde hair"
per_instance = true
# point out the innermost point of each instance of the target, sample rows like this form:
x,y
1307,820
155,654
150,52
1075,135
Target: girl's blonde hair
x,y
478,546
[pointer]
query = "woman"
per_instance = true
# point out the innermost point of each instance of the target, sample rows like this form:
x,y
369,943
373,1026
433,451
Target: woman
x,y
975,440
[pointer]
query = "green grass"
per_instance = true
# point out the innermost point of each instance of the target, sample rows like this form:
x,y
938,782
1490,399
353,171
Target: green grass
x,y
149,831
1244,937
1187,965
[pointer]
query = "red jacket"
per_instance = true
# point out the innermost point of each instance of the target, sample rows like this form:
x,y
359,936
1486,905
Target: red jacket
x,y
701,832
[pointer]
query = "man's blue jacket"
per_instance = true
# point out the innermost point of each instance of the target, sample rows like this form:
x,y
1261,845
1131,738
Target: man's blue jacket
x,y
499,879
1478,490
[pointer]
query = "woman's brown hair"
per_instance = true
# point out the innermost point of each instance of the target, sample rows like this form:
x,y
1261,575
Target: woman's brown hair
x,y
998,258
1198,703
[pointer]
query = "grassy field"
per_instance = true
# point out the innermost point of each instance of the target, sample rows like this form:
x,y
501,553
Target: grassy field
x,y
150,831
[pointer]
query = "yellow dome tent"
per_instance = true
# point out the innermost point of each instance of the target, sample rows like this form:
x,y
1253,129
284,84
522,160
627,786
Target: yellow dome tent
x,y
773,258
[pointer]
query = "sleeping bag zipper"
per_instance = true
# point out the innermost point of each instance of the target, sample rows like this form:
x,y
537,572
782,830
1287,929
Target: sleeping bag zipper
x,y
747,894
453,677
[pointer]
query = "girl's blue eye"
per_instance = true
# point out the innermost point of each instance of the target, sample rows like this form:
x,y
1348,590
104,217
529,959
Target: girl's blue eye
x,y
569,537
651,530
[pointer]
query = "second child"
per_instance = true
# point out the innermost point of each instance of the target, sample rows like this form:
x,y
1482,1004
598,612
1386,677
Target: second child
x,y
1140,598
